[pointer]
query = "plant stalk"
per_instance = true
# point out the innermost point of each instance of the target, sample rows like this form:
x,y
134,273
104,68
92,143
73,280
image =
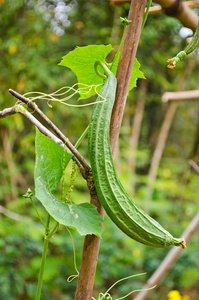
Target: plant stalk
x,y
43,260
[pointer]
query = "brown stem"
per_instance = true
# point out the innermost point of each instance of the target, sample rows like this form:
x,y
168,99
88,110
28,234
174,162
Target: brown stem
x,y
125,66
90,252
56,130
20,109
7,112
91,243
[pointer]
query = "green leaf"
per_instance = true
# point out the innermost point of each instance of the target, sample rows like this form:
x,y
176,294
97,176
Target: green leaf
x,y
51,160
136,73
81,61
83,217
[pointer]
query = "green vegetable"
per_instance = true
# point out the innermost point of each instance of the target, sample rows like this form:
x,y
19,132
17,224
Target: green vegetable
x,y
116,202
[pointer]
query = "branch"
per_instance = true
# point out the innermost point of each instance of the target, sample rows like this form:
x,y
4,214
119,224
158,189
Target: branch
x,y
159,9
169,260
10,214
7,112
56,130
194,165
177,9
181,96
20,109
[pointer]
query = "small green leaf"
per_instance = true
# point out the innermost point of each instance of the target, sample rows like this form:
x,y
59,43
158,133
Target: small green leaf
x,y
81,61
51,160
136,73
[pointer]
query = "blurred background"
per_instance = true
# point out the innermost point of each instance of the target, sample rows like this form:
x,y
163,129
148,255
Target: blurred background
x,y
34,36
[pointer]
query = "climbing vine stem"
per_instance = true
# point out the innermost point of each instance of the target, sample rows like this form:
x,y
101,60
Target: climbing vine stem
x,y
189,49
43,259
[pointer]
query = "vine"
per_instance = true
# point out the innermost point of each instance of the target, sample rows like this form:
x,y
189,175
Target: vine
x,y
107,296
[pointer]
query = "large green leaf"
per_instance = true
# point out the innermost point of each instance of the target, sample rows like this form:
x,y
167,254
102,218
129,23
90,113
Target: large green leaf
x,y
81,61
51,160
83,217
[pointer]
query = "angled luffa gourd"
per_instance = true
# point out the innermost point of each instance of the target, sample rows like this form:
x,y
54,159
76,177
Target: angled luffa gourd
x,y
117,203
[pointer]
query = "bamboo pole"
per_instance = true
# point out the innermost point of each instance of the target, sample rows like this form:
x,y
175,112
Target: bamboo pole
x,y
157,155
164,131
181,96
137,123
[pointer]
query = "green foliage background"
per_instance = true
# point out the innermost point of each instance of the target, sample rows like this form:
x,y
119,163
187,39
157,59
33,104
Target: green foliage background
x,y
34,36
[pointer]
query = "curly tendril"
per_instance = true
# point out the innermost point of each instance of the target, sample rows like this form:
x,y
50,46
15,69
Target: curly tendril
x,y
64,94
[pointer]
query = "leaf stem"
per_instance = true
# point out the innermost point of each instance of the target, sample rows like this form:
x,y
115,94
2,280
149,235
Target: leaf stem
x,y
43,260
125,22
81,137
55,228
105,68
146,14
29,195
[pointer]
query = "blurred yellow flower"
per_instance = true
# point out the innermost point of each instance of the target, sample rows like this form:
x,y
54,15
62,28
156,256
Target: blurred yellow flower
x,y
54,37
136,252
167,173
174,295
185,297
12,49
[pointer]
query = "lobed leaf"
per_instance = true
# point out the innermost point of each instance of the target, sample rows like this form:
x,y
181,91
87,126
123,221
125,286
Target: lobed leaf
x,y
81,61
